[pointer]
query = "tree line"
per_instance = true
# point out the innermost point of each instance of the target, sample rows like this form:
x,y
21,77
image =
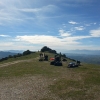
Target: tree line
x,y
45,48
27,52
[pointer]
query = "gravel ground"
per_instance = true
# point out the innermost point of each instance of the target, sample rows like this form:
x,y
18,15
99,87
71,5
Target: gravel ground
x,y
26,88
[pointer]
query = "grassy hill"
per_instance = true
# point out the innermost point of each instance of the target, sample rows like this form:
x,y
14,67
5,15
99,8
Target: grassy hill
x,y
31,79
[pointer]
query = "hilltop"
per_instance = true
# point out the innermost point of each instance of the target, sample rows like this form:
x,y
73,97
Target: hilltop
x,y
31,79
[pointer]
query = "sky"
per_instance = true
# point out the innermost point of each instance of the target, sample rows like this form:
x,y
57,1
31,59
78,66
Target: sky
x,y
59,24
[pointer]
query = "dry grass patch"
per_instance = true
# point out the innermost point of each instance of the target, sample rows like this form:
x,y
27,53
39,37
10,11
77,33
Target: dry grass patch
x,y
25,88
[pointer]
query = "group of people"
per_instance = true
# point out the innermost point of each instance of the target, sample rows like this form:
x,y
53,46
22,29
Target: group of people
x,y
44,56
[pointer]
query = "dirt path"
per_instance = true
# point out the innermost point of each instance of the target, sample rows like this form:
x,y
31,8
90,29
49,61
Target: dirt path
x,y
14,62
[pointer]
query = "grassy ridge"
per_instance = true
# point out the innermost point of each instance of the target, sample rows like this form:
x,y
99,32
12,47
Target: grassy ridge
x,y
81,83
23,68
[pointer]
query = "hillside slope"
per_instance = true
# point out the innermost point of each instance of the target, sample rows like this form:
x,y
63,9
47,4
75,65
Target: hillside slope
x,y
31,79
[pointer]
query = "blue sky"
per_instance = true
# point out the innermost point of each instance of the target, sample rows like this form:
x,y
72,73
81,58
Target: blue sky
x,y
59,24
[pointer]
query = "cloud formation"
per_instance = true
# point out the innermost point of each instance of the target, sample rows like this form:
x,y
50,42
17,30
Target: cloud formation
x,y
95,33
64,33
72,22
80,28
63,39
4,35
22,19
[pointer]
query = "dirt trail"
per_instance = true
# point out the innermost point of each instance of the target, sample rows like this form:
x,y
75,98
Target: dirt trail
x,y
14,62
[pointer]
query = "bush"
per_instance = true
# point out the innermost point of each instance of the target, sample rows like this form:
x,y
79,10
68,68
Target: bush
x,y
45,48
27,52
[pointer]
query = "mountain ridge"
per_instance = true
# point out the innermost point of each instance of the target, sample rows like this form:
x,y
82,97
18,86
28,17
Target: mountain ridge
x,y
85,58
89,52
5,54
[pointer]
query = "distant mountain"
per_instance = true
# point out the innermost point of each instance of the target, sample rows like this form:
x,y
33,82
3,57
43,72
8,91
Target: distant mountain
x,y
86,58
89,52
14,51
6,54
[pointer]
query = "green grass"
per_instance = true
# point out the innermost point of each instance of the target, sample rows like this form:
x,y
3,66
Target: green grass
x,y
28,68
81,83
85,88
76,90
30,56
25,68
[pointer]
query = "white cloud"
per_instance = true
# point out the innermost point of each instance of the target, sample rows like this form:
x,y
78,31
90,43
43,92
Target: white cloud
x,y
40,39
64,38
72,22
59,44
6,44
34,10
4,35
9,13
17,12
51,40
87,24
75,38
95,33
35,42
63,41
80,28
95,23
64,33
47,8
18,46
